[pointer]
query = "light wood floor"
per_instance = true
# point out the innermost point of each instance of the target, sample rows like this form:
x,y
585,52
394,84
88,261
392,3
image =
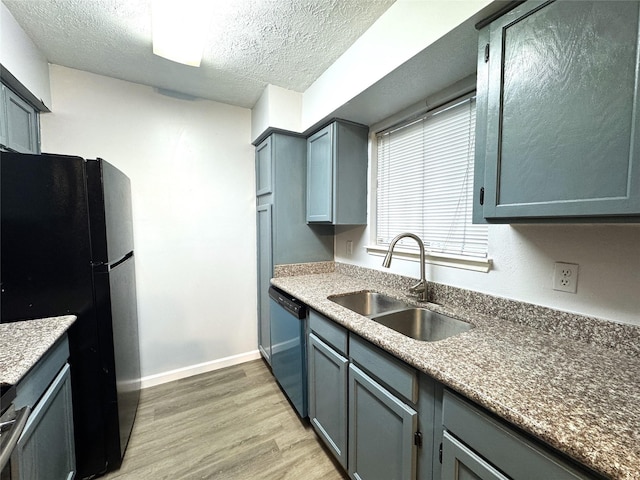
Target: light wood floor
x,y
232,423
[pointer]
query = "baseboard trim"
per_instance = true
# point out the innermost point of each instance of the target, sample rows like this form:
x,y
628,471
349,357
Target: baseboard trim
x,y
170,376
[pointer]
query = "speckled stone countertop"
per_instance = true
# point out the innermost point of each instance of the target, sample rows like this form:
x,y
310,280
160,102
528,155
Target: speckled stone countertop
x,y
22,344
580,397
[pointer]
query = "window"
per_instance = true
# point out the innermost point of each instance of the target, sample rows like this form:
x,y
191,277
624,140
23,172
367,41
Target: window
x,y
425,183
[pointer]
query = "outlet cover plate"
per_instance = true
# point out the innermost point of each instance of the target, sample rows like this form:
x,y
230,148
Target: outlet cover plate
x,y
565,277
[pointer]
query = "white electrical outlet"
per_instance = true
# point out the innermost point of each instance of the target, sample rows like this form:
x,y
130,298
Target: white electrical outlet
x,y
565,277
349,248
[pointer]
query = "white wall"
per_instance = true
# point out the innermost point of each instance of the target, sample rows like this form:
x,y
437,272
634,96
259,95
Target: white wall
x,y
20,56
192,175
406,28
277,107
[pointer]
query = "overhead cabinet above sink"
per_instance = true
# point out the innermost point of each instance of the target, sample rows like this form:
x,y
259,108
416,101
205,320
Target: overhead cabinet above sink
x,y
558,129
337,175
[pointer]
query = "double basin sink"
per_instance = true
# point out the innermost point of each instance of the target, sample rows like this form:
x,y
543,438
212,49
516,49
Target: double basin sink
x,y
417,323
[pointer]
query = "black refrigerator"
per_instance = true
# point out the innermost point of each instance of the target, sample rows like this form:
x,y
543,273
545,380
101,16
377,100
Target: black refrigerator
x,y
66,241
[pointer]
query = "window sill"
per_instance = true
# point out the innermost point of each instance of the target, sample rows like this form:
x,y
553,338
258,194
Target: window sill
x,y
466,263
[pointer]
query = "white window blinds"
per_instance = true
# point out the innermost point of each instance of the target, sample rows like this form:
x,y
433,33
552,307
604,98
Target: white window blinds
x,y
425,183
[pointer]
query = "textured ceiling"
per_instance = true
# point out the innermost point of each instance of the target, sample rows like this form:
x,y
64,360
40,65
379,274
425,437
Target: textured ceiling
x,y
252,43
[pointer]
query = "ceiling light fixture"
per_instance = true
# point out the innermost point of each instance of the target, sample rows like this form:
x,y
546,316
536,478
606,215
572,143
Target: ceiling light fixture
x,y
179,29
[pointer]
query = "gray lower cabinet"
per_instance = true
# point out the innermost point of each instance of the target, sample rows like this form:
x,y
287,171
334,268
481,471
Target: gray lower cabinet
x,y
477,446
283,236
383,416
337,175
382,430
18,123
328,396
383,420
376,414
45,450
558,124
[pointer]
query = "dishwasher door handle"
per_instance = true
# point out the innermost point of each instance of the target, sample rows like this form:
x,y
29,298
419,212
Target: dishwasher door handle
x,y
10,438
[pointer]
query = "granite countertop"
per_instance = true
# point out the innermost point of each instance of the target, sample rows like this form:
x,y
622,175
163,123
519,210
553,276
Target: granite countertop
x,y
23,343
583,399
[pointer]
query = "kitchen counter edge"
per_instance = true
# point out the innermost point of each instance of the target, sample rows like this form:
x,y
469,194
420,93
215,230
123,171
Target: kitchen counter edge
x,y
24,343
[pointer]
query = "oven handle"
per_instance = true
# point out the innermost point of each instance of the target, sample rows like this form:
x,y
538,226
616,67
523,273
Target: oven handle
x,y
8,443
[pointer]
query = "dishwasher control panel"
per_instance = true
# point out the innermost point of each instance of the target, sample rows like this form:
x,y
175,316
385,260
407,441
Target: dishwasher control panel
x,y
290,304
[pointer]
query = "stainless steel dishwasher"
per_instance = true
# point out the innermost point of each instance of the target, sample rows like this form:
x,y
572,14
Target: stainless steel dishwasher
x,y
289,347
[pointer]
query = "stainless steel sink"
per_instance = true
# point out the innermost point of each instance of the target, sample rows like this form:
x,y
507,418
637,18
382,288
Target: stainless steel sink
x,y
423,324
368,303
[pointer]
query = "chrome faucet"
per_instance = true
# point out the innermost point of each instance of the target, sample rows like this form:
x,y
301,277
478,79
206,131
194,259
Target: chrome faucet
x,y
421,287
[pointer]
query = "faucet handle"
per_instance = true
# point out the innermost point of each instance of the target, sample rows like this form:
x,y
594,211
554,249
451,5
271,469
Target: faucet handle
x,y
420,288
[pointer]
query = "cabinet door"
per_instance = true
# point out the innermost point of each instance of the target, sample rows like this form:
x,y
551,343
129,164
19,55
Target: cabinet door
x,y
381,432
563,119
320,176
22,124
46,449
265,272
264,168
328,396
3,116
515,455
460,463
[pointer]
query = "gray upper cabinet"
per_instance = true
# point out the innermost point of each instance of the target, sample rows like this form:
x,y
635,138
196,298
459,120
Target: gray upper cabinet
x,y
320,176
18,123
263,168
558,124
337,175
281,182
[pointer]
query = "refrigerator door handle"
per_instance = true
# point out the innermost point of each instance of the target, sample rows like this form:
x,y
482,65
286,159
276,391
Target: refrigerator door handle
x,y
122,260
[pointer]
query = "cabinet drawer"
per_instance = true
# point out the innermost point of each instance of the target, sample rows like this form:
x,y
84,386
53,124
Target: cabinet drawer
x,y
329,331
387,369
505,448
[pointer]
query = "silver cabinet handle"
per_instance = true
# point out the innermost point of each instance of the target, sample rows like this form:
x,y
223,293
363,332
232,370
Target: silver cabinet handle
x,y
8,442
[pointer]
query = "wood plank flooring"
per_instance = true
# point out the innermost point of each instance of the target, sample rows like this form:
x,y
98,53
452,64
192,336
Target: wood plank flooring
x,y
233,423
